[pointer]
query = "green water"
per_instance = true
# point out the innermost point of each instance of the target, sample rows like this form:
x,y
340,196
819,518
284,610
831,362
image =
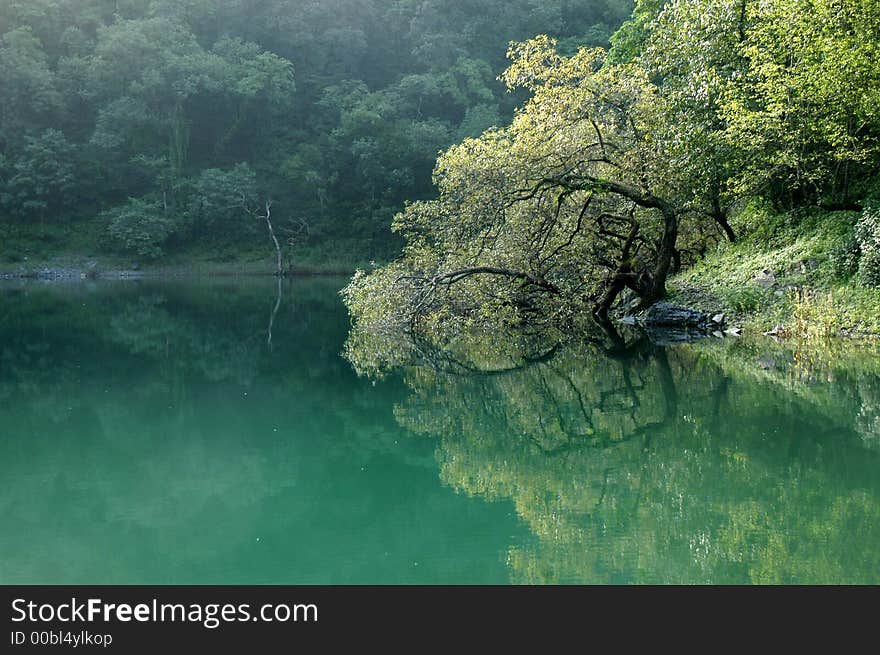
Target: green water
x,y
151,433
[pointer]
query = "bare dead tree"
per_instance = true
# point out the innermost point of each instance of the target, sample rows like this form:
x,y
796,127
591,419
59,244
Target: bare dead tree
x,y
265,213
293,232
268,216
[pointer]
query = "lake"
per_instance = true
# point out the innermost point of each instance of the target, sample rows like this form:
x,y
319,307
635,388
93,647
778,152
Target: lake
x,y
152,432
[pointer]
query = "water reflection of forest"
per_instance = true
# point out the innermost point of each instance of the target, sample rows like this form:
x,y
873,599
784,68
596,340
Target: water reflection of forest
x,y
707,462
724,462
149,433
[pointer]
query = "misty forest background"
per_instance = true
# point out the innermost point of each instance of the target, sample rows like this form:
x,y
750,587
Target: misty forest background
x,y
144,128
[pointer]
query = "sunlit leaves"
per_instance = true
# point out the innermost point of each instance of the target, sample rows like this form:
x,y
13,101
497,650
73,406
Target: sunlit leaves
x,y
806,112
535,198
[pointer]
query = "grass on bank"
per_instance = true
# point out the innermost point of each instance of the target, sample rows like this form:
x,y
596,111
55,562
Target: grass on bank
x,y
785,271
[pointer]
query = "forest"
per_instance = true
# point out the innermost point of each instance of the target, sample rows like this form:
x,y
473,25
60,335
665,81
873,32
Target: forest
x,y
707,122
509,163
151,128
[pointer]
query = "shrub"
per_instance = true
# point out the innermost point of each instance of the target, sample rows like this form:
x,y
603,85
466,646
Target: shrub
x,y
220,199
868,238
141,226
745,299
814,315
845,258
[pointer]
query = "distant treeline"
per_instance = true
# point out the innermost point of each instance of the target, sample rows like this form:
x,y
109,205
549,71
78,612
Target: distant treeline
x,y
159,121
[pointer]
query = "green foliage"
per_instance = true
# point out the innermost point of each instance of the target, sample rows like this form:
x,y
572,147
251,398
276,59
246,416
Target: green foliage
x,y
251,73
220,198
858,255
341,141
867,238
28,85
44,176
141,226
746,298
583,194
628,42
814,316
340,107
812,253
702,107
845,258
806,118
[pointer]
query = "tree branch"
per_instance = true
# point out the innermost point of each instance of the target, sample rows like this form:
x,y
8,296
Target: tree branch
x,y
456,276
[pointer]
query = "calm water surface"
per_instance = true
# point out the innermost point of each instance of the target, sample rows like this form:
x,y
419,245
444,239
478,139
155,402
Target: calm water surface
x,y
151,433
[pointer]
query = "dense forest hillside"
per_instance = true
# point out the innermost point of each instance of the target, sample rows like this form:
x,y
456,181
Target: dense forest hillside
x,y
592,155
725,151
151,128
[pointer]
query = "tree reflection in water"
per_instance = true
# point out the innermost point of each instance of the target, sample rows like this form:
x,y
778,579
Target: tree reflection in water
x,y
633,463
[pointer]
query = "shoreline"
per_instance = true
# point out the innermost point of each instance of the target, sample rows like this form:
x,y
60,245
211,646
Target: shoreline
x,y
686,291
50,273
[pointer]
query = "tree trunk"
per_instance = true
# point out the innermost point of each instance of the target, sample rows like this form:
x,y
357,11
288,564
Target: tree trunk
x,y
622,279
650,286
665,254
721,219
274,314
280,265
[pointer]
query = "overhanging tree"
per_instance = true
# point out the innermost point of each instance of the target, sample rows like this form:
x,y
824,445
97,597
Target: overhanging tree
x,y
618,169
580,198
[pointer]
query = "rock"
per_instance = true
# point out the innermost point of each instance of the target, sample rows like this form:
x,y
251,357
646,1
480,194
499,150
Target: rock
x,y
718,333
778,331
664,314
718,319
667,324
765,279
734,332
